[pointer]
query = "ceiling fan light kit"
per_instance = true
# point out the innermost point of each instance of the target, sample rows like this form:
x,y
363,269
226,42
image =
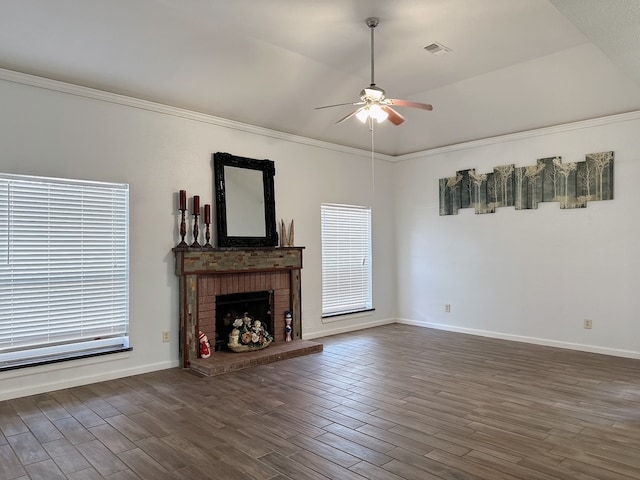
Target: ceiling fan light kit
x,y
373,104
375,112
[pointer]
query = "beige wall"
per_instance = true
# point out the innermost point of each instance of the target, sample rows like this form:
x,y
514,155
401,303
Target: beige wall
x,y
66,131
529,275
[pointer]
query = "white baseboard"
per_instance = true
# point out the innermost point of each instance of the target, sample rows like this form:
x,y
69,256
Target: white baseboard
x,y
520,338
43,387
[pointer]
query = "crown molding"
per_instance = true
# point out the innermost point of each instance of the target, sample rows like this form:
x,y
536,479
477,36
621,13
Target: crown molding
x,y
511,137
100,95
103,96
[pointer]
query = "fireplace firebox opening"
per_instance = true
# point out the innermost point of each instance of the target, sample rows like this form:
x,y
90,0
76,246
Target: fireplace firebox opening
x,y
257,305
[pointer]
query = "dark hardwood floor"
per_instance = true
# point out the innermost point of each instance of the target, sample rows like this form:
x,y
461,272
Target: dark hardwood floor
x,y
388,403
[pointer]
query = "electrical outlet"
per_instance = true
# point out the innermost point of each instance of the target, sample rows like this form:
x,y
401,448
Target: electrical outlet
x,y
447,307
165,336
588,324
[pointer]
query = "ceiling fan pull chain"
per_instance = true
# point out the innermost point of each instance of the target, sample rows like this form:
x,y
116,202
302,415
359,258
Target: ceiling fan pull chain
x,y
373,158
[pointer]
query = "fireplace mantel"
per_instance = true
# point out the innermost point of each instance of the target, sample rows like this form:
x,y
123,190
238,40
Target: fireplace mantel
x,y
206,272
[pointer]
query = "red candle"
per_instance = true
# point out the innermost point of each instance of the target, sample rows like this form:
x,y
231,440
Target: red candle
x,y
207,213
196,204
183,199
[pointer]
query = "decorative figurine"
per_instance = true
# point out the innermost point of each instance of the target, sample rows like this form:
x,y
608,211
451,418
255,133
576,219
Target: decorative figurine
x,y
205,347
288,329
290,237
234,338
286,236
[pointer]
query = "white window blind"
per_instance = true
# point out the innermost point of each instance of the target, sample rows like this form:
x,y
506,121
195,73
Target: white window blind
x,y
346,259
64,269
4,221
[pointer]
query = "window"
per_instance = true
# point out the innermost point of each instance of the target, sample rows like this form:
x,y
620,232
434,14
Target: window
x,y
64,269
346,259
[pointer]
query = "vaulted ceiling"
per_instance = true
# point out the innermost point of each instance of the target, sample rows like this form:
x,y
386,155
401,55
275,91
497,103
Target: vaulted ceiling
x,y
514,65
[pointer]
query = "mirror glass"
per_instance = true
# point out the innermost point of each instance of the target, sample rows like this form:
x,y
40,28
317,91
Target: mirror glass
x,y
245,202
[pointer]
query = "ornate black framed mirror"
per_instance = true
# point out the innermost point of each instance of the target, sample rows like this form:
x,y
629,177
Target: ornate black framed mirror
x,y
245,201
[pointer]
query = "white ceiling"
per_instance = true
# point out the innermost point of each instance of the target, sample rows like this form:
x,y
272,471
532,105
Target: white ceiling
x,y
515,65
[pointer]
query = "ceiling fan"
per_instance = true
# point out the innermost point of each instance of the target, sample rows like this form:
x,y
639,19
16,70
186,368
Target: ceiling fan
x,y
373,104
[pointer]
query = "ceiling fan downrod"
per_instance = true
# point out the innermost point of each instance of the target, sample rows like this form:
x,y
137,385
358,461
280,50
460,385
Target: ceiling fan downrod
x,y
372,23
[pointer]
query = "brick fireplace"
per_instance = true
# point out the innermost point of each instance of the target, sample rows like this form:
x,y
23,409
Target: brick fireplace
x,y
205,274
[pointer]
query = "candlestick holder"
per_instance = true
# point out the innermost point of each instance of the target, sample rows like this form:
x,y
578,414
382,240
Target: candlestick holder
x,y
207,235
196,231
183,228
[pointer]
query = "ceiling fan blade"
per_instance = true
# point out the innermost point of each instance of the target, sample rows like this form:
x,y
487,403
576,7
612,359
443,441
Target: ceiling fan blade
x,y
339,105
347,117
407,103
394,117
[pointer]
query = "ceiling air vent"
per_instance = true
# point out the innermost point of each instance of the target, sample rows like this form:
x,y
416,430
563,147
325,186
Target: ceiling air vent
x,y
436,48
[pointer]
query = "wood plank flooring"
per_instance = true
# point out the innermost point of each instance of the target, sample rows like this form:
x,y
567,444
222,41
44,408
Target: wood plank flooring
x,y
388,403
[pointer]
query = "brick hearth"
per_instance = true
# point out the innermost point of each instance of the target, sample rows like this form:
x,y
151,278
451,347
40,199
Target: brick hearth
x,y
225,362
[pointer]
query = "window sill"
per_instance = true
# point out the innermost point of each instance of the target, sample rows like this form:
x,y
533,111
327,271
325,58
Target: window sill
x,y
335,317
53,359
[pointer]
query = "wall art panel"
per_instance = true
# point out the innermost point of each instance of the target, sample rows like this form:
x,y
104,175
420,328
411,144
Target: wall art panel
x,y
572,185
